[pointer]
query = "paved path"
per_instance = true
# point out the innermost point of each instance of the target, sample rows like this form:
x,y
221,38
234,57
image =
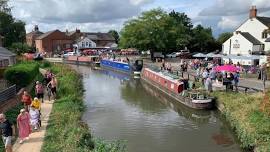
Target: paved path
x,y
36,139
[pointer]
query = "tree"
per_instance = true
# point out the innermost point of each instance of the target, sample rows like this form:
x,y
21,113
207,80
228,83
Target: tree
x,y
156,30
4,6
147,32
224,37
115,34
202,39
19,48
12,30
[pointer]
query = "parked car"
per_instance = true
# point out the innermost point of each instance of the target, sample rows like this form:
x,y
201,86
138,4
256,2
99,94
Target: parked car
x,y
69,54
38,57
172,55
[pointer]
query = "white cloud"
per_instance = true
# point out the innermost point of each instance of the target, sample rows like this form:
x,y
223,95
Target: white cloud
x,y
229,22
234,7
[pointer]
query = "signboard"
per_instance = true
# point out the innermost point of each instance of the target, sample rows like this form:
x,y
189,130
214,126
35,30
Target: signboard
x,y
236,44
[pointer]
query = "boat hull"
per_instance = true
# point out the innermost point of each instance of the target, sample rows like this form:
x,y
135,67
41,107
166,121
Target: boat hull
x,y
195,104
118,67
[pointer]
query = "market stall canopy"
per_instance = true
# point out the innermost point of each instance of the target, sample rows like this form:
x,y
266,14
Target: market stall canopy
x,y
199,55
210,55
243,57
227,68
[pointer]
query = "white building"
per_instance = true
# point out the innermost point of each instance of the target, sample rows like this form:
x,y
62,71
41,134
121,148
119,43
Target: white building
x,y
249,41
85,43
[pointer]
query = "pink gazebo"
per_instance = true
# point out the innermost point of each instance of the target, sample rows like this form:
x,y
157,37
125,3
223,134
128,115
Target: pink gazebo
x,y
228,68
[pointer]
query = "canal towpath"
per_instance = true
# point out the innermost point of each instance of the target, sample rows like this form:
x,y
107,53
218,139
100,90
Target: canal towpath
x,y
36,139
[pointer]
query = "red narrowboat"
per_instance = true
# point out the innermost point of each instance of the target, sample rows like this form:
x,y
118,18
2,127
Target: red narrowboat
x,y
175,89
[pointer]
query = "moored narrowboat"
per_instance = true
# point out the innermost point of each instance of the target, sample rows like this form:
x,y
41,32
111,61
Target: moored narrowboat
x,y
176,89
132,68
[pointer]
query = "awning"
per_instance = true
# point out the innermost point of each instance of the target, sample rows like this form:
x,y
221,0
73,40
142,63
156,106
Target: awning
x,y
199,55
243,57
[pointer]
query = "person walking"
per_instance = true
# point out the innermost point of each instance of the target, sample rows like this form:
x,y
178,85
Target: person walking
x,y
208,85
39,91
236,78
53,85
26,100
34,117
23,124
36,104
7,131
264,76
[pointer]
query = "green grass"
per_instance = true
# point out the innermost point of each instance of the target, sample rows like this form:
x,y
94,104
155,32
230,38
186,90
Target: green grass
x,y
251,126
66,132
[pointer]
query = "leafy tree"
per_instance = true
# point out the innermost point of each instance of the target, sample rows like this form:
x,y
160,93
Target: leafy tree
x,y
20,48
156,30
115,34
224,37
12,30
4,6
202,39
147,32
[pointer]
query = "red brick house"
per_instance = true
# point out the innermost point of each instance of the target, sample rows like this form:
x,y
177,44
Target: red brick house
x,y
53,42
31,37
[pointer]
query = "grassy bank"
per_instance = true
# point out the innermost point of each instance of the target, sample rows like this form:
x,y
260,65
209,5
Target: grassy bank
x,y
22,74
66,132
251,125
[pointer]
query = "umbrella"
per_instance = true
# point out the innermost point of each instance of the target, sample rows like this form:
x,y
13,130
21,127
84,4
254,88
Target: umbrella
x,y
228,68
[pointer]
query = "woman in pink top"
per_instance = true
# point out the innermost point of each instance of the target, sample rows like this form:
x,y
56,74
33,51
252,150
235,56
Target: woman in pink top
x,y
23,124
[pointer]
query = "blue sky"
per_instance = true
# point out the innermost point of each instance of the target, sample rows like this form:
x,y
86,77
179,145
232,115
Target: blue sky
x,y
103,15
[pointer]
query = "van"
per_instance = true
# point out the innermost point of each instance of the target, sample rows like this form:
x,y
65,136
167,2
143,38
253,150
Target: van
x,y
183,52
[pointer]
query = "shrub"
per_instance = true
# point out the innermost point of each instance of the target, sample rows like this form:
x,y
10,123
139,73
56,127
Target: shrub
x,y
22,74
2,70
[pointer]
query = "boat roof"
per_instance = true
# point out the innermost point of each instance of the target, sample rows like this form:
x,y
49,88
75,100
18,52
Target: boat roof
x,y
116,61
161,74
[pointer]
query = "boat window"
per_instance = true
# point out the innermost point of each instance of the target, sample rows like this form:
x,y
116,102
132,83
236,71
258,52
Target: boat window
x,y
201,97
172,86
193,96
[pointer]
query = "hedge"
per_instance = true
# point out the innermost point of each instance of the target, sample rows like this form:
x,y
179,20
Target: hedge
x,y
22,74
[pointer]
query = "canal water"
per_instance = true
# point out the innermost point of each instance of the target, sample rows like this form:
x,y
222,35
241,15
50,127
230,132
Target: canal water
x,y
121,108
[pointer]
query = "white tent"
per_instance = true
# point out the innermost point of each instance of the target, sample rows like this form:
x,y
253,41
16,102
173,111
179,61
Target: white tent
x,y
199,55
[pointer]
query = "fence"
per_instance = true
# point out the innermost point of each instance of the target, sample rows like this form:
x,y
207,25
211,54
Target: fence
x,y
4,84
8,93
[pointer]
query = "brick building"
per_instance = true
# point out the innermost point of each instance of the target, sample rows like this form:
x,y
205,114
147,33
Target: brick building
x,y
31,37
101,39
53,42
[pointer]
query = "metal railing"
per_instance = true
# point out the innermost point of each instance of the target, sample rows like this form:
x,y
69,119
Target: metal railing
x,y
8,93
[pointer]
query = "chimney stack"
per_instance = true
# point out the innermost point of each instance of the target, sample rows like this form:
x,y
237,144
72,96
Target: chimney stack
x,y
253,12
36,28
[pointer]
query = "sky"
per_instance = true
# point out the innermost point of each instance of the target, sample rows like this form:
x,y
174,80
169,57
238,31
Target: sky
x,y
104,15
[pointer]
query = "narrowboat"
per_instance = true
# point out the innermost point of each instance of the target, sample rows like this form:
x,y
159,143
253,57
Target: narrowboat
x,y
83,60
131,68
176,89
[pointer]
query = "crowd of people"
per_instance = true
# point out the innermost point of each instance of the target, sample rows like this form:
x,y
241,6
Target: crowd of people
x,y
29,118
207,73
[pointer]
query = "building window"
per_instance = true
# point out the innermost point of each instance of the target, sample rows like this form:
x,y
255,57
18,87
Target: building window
x,y
264,35
82,44
86,44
